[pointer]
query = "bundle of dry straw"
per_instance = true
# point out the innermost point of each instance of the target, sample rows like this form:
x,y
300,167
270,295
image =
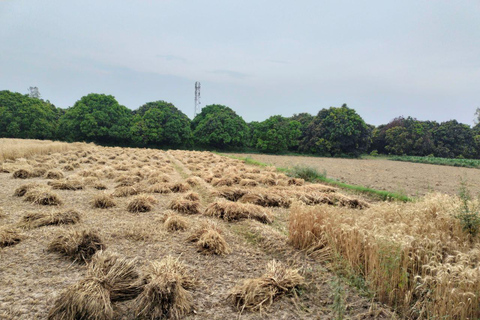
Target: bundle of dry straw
x,y
210,240
231,211
259,293
167,291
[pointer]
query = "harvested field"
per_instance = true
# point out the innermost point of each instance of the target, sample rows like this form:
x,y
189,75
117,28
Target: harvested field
x,y
221,248
412,179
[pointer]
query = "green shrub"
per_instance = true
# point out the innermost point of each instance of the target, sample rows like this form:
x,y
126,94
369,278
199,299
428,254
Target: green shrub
x,y
469,215
307,173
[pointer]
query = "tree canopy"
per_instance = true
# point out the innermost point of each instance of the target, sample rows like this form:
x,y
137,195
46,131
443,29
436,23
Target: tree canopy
x,y
337,132
276,134
218,126
332,132
97,118
24,117
405,136
453,139
161,123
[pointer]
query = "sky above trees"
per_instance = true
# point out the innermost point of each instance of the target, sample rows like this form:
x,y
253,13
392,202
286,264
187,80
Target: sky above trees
x,y
383,58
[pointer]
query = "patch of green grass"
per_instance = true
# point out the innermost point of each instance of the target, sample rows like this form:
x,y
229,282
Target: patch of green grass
x,y
307,173
467,163
312,175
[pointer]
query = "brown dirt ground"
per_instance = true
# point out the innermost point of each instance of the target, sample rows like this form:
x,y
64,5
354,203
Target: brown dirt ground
x,y
31,278
412,179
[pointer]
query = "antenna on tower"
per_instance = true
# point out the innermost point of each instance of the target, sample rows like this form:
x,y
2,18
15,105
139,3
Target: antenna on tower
x,y
197,99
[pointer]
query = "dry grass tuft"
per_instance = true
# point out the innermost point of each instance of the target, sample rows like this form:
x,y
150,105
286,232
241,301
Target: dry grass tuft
x,y
166,294
22,174
40,219
314,198
141,203
86,299
194,181
266,200
67,184
231,211
54,174
210,240
158,179
248,183
175,222
193,196
9,236
222,182
185,206
126,191
180,187
317,187
20,191
79,245
99,185
43,196
232,194
119,274
259,293
296,182
159,188
103,201
38,172
68,167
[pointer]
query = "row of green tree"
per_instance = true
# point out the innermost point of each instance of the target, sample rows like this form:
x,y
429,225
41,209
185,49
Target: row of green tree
x,y
332,132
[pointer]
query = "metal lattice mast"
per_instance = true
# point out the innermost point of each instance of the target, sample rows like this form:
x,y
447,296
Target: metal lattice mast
x,y
197,99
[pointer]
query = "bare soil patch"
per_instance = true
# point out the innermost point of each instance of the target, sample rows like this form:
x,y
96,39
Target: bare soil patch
x,y
412,179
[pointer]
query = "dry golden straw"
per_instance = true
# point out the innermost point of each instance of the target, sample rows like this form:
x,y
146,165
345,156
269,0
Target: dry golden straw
x,y
103,201
40,219
141,203
414,256
167,291
78,245
185,206
43,196
175,222
9,236
209,240
231,211
259,293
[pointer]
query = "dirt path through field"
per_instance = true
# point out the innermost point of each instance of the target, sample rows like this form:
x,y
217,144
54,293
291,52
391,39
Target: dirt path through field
x,y
404,177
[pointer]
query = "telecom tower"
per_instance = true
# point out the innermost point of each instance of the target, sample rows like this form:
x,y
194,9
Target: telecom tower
x,y
197,99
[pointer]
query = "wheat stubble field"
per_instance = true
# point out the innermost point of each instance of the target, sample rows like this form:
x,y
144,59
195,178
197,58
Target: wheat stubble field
x,y
154,209
412,179
91,232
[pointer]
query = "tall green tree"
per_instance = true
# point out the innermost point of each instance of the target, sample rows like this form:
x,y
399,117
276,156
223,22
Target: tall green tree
x,y
411,137
161,123
276,134
453,139
24,117
218,126
337,132
96,118
304,119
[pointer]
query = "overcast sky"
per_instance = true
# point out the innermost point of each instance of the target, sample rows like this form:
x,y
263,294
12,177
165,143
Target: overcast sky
x,y
261,58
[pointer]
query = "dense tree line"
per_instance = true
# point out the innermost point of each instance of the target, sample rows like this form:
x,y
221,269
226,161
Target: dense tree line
x,y
336,131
